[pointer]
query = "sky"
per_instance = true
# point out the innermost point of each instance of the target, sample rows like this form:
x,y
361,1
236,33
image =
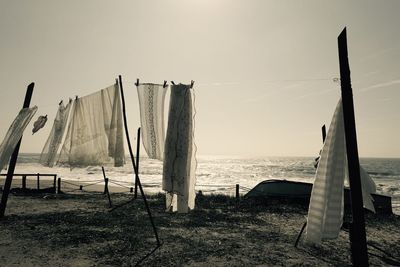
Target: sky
x,y
263,70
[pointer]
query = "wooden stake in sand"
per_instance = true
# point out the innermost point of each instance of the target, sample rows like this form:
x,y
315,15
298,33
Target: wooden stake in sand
x,y
59,185
358,242
106,191
134,164
323,129
14,157
137,161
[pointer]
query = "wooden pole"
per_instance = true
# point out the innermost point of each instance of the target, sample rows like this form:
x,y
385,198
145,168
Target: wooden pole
x,y
104,177
358,242
59,186
55,183
38,181
134,164
107,192
299,235
14,157
237,196
23,182
137,161
323,129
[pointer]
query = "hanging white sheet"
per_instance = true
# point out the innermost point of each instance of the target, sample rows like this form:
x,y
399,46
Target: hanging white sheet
x,y
95,131
151,101
326,204
368,187
180,151
325,212
52,145
14,134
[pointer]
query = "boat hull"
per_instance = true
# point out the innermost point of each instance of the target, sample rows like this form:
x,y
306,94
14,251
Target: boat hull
x,y
301,192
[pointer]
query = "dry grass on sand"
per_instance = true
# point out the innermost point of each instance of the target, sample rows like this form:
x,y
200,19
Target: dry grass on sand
x,y
79,230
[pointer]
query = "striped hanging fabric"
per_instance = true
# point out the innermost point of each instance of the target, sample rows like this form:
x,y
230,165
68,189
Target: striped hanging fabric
x,y
326,204
325,212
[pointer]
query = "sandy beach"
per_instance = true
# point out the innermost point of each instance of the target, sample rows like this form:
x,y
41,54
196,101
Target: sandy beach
x,y
80,230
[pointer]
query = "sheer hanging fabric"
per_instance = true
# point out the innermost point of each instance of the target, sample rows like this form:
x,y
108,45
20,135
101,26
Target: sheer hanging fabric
x,y
95,131
180,151
325,212
14,134
53,143
151,101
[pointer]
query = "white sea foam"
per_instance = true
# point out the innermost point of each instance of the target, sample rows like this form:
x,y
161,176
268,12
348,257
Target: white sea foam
x,y
220,174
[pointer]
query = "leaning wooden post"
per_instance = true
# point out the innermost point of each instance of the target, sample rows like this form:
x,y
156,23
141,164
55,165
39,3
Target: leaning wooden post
x,y
323,129
358,242
108,193
14,157
137,161
38,181
105,180
59,185
134,164
23,183
55,183
237,196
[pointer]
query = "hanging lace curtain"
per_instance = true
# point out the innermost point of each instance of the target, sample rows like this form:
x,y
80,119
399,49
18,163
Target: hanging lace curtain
x,y
14,134
325,212
95,131
151,102
180,152
52,145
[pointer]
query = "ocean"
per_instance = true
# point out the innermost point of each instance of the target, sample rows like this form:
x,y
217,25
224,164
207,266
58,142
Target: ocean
x,y
220,174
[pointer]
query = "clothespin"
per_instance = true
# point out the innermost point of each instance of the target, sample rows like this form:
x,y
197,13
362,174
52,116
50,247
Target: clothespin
x,y
76,97
60,102
191,84
165,84
137,82
173,82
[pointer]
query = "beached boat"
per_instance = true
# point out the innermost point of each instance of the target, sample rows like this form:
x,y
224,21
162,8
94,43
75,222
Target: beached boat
x,y
301,191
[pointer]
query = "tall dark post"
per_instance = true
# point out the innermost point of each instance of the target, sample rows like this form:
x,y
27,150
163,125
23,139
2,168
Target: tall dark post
x,y
134,164
14,157
237,196
104,177
323,129
24,182
59,185
55,183
38,180
358,242
137,161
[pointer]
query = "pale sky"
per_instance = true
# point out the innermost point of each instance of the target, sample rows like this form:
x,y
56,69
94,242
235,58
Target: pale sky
x,y
263,69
